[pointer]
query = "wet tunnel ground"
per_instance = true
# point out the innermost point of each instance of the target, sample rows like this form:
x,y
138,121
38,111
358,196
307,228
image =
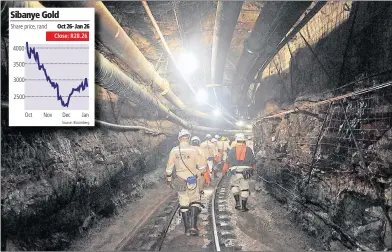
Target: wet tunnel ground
x,y
267,226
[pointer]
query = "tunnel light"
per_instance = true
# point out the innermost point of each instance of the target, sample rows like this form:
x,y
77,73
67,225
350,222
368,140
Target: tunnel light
x,y
187,63
201,96
249,126
216,112
240,123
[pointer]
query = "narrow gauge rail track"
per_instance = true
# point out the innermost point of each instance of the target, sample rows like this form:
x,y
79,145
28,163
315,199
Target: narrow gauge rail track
x,y
223,228
151,230
155,228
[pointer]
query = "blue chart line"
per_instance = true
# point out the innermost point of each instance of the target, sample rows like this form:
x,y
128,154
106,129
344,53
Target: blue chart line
x,y
81,87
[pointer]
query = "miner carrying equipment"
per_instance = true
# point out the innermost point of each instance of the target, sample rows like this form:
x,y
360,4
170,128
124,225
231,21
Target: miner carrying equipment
x,y
217,159
182,172
210,152
205,175
239,165
249,143
220,146
225,147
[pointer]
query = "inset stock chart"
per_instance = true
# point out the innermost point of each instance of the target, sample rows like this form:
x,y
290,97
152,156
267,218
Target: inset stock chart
x,y
51,67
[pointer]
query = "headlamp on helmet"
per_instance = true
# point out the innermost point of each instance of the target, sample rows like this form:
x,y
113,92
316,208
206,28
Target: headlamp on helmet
x,y
184,133
195,139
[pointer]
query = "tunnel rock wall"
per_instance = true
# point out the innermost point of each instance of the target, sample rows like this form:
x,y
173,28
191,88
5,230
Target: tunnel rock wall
x,y
318,172
57,183
331,163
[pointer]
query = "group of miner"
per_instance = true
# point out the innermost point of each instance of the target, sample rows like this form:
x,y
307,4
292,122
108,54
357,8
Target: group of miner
x,y
193,164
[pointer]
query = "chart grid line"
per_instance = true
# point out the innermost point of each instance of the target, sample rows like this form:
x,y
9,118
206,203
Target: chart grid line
x,y
32,53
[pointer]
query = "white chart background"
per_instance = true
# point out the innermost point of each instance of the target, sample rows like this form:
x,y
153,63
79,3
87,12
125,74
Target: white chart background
x,y
66,75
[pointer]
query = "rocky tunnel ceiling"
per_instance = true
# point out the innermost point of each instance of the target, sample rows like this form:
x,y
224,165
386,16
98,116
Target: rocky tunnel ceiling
x,y
186,26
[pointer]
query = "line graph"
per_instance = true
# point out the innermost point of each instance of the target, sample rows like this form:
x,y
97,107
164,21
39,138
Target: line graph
x,y
60,75
51,68
31,52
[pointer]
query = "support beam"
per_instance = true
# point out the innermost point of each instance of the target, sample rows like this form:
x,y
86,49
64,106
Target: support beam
x,y
165,45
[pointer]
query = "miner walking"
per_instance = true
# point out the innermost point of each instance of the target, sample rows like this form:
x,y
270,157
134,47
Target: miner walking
x,y
239,165
205,174
182,172
210,152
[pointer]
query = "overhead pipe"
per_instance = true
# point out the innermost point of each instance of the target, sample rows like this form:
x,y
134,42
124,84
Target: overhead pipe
x,y
122,41
121,128
166,47
227,13
110,77
289,13
268,17
113,36
33,4
105,69
111,125
198,128
126,127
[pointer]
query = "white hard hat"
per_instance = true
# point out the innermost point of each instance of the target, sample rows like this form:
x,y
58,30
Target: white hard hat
x,y
208,136
214,140
217,136
184,132
250,137
240,137
195,138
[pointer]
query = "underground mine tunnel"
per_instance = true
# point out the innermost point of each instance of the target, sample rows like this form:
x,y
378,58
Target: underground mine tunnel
x,y
304,86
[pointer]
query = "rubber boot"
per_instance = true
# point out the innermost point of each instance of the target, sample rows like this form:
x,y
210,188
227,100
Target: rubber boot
x,y
185,219
194,212
244,208
237,202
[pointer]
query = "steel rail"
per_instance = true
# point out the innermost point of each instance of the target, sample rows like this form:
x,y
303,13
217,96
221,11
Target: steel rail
x,y
215,229
141,222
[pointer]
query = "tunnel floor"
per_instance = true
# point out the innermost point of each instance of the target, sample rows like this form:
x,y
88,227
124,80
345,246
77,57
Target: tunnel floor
x,y
267,226
110,232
